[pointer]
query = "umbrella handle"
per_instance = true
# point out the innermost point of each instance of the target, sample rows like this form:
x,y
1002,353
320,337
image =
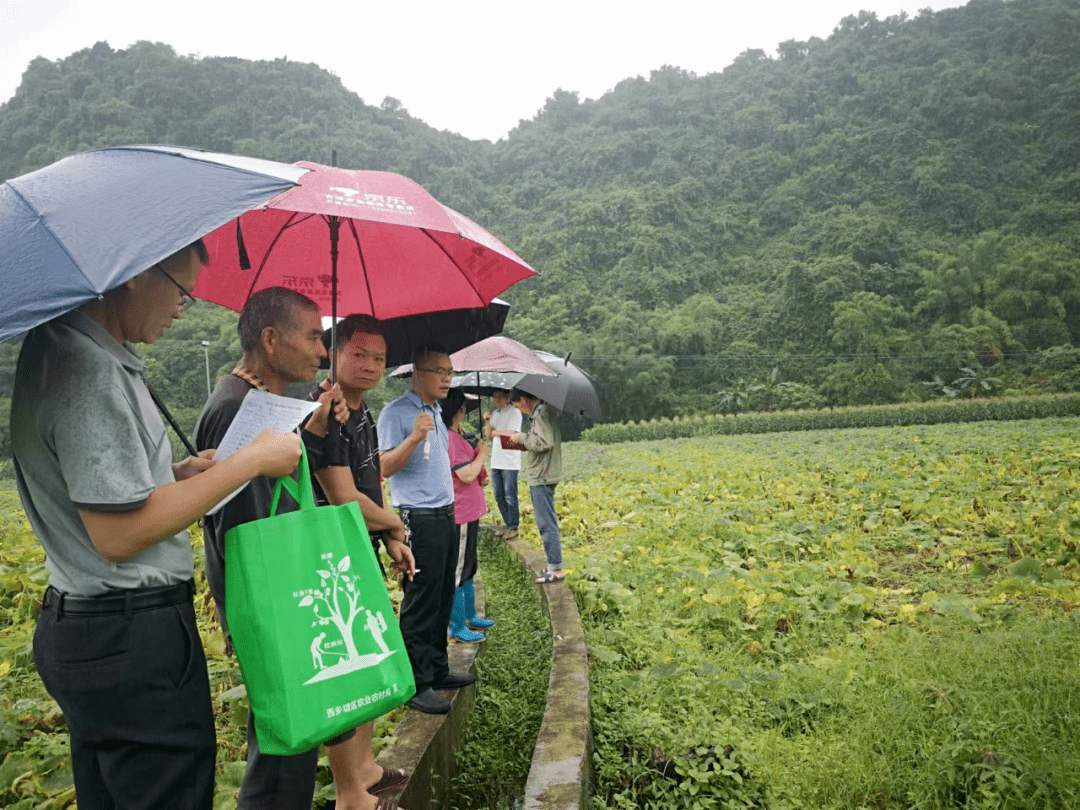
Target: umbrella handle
x,y
333,435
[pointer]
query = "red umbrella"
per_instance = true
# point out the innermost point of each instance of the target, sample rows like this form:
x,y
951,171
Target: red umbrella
x,y
392,247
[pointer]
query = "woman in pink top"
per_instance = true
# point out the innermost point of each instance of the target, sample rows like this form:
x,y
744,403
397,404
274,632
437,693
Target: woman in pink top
x,y
470,505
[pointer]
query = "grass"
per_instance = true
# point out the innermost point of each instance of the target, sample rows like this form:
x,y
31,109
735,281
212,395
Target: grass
x,y
513,678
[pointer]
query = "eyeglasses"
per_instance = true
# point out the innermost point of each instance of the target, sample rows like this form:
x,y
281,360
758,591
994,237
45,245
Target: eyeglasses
x,y
442,372
186,298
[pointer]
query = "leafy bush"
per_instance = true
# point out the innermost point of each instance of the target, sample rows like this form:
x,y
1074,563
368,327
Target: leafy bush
x,y
924,413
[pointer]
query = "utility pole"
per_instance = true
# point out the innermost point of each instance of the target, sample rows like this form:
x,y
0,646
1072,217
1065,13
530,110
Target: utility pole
x,y
206,354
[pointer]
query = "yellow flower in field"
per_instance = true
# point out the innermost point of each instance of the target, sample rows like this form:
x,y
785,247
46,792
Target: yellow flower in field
x,y
907,613
5,668
660,590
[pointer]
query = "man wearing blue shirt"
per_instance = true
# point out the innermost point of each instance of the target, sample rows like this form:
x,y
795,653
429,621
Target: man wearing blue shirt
x,y
414,455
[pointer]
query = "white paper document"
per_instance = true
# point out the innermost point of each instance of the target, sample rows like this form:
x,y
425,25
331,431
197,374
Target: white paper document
x,y
260,410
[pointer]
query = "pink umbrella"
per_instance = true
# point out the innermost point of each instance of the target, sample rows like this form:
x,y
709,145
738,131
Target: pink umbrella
x,y
359,242
498,353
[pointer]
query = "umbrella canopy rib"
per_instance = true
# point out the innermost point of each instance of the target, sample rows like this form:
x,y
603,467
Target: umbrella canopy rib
x,y
42,222
450,258
363,265
295,218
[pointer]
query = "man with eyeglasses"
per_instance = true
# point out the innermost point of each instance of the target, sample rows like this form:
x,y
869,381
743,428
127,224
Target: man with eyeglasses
x,y
117,643
414,453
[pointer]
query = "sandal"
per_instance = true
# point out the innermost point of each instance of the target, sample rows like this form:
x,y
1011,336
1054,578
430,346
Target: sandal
x,y
548,577
392,779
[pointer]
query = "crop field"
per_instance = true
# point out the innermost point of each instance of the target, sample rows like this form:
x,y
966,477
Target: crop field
x,y
874,618
877,618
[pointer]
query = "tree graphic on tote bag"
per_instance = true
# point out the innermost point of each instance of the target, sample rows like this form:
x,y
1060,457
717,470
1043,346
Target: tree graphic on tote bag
x,y
336,602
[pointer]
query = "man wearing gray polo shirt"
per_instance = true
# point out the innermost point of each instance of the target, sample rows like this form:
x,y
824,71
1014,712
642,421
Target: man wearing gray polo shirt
x,y
116,642
414,453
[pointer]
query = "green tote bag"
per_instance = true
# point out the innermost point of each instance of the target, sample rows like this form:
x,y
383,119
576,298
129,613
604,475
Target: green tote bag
x,y
315,635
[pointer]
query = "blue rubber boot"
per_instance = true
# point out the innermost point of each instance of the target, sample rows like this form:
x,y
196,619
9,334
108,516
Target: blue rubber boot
x,y
458,630
470,608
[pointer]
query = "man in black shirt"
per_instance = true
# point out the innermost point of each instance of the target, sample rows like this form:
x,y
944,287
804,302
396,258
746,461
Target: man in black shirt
x,y
281,336
351,473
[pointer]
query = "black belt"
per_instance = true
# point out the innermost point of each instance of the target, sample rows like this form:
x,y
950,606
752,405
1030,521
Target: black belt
x,y
126,601
440,510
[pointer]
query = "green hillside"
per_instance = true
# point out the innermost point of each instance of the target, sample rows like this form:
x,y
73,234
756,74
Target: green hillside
x,y
887,214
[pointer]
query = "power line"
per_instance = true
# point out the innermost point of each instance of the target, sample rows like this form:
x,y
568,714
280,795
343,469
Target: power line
x,y
773,357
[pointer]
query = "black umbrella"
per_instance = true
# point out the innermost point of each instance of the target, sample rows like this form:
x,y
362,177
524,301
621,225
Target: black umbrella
x,y
453,329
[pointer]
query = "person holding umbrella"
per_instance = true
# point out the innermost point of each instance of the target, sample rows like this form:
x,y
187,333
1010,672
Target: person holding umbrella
x,y
117,643
348,473
467,464
543,471
280,334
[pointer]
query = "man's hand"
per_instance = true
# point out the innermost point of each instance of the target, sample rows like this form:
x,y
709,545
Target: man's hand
x,y
193,465
487,415
424,423
402,556
317,423
482,448
397,531
274,454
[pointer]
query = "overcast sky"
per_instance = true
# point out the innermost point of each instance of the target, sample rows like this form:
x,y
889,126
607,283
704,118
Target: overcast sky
x,y
476,68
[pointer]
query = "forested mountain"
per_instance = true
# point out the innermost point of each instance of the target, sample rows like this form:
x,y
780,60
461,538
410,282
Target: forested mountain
x,y
890,213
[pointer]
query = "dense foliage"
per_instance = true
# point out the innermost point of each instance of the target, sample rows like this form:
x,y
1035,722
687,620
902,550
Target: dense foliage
x,y
927,413
840,222
875,618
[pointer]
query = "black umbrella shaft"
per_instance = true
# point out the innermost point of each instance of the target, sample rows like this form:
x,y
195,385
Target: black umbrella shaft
x,y
172,421
333,428
335,226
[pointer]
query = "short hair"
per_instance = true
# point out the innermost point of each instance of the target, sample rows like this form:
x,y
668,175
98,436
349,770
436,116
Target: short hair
x,y
454,401
349,326
428,348
198,247
498,390
274,306
517,393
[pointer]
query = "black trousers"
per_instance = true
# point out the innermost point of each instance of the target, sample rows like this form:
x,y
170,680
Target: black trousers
x,y
427,600
273,782
276,782
136,697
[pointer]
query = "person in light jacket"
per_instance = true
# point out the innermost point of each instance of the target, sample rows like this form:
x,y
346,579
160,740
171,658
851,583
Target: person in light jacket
x,y
543,472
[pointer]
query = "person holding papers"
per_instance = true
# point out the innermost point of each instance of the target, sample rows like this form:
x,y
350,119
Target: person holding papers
x,y
116,643
281,337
